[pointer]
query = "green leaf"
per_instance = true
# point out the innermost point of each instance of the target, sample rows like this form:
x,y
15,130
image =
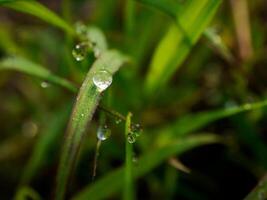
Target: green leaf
x,y
103,188
193,122
178,41
26,193
23,65
38,10
259,192
84,108
45,143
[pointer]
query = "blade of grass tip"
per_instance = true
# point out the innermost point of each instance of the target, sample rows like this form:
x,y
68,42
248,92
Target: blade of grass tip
x,y
192,122
27,192
179,39
83,110
259,192
44,145
128,178
111,183
28,67
38,10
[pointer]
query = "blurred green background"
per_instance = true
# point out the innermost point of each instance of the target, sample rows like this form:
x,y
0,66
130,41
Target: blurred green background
x,y
195,67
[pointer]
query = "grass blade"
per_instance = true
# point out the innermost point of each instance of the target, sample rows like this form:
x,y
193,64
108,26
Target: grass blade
x,y
178,41
26,193
260,191
128,186
111,183
193,122
28,67
84,108
48,139
38,10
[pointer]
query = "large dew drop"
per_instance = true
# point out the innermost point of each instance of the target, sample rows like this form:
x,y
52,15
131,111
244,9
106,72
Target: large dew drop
x,y
103,133
80,51
102,80
131,138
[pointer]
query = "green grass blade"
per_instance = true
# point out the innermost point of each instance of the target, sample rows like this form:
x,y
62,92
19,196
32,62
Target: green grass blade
x,y
27,193
45,143
38,10
259,192
171,7
103,188
178,41
84,108
28,67
128,186
193,122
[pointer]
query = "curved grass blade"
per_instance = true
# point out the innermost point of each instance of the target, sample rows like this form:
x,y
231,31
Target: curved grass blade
x,y
111,183
193,122
178,41
38,10
84,108
259,192
26,193
43,147
23,65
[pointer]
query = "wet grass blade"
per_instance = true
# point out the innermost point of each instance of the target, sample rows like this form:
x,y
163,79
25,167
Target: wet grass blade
x,y
84,108
179,39
193,122
103,188
27,193
260,191
38,10
45,143
128,186
28,67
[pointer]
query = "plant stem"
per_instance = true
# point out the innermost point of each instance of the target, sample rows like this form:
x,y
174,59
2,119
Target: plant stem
x,y
128,185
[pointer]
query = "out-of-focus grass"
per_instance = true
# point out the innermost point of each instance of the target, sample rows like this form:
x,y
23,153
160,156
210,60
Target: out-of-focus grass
x,y
160,37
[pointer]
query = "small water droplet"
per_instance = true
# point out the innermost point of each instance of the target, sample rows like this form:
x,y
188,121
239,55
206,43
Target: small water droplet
x,y
103,133
80,51
82,115
29,129
102,80
45,84
131,138
136,129
135,159
118,120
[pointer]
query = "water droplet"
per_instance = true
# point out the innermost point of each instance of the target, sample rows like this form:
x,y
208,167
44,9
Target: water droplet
x,y
102,80
136,129
29,129
131,138
45,84
82,115
103,133
118,120
135,159
80,50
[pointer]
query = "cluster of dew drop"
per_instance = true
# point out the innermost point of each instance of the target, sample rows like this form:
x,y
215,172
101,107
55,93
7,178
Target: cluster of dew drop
x,y
134,133
81,49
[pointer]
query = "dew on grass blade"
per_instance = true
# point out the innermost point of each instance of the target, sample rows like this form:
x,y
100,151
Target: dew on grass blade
x,y
118,120
102,80
103,133
136,129
131,138
80,51
45,84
